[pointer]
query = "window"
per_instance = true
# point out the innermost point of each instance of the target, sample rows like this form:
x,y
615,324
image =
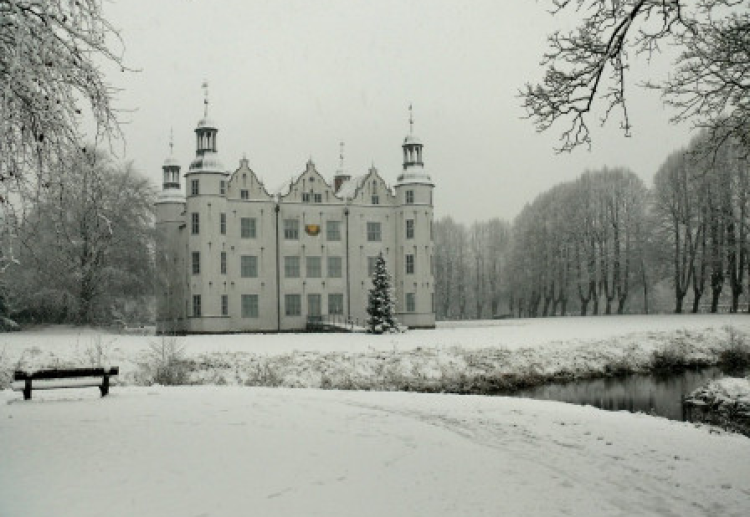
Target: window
x,y
249,303
313,305
223,262
194,187
291,229
291,267
244,194
248,228
333,230
196,262
224,305
195,225
335,304
411,302
305,197
373,232
334,267
292,305
318,198
410,228
223,223
249,266
409,197
410,264
222,188
313,267
375,199
371,265
196,306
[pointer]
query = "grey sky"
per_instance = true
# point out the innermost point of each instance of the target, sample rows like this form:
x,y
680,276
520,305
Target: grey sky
x,y
289,79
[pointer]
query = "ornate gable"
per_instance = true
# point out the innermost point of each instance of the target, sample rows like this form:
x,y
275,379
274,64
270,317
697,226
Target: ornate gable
x,y
245,185
369,189
309,187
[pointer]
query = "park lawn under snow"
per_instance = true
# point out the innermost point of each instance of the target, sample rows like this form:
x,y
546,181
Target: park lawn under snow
x,y
218,451
157,451
449,358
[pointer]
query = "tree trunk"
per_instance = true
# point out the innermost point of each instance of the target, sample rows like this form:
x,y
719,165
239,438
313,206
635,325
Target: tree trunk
x,y
678,302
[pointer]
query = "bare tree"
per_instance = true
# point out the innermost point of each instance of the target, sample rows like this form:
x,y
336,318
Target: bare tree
x,y
589,65
677,209
87,240
51,56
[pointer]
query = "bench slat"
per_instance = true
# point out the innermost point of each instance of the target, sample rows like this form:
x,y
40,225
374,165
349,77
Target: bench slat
x,y
65,373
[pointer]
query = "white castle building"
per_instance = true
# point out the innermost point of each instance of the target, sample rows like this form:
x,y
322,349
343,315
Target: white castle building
x,y
234,257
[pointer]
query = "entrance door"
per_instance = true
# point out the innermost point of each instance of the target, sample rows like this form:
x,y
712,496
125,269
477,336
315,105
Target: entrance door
x,y
313,306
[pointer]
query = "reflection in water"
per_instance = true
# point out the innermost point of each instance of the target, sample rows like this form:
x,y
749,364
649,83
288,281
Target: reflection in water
x,y
658,394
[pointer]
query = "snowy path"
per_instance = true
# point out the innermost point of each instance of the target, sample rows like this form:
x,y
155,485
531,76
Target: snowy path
x,y
215,451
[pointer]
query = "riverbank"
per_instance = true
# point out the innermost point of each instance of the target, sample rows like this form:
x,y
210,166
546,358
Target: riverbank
x,y
479,358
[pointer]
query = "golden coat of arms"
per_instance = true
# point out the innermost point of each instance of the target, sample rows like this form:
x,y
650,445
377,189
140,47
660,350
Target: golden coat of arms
x,y
312,229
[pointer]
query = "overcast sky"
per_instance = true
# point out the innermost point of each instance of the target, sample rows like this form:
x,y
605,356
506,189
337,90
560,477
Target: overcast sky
x,y
289,79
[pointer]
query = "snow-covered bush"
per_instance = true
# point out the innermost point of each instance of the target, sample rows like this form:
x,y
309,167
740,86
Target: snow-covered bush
x,y
736,354
673,355
166,362
97,352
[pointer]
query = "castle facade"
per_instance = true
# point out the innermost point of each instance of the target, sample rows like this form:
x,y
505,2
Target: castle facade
x,y
233,256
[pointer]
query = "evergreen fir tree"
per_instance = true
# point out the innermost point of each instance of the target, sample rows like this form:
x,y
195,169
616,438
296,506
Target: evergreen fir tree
x,y
380,301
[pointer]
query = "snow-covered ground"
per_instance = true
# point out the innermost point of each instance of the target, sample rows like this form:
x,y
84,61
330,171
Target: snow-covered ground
x,y
510,333
217,451
455,354
236,450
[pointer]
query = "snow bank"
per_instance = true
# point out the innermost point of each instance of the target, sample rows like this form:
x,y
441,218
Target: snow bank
x,y
724,402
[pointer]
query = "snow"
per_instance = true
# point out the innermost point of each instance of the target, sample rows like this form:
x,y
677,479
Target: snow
x,y
235,450
728,389
349,188
214,451
555,346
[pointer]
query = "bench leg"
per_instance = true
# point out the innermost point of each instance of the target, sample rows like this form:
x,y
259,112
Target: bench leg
x,y
27,390
104,388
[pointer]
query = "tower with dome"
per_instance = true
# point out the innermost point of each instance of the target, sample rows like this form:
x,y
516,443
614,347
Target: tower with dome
x,y
233,256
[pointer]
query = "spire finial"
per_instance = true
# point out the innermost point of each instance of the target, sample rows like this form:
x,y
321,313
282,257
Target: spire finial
x,y
205,99
171,141
411,120
341,156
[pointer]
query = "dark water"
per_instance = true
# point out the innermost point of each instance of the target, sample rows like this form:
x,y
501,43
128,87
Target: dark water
x,y
657,394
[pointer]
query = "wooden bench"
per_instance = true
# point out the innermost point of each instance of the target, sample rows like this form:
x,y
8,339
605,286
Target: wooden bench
x,y
64,378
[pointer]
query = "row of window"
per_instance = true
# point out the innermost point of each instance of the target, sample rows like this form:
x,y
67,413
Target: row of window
x,y
249,228
313,265
195,189
250,306
306,196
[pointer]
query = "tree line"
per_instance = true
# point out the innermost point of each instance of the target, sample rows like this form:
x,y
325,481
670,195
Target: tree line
x,y
606,243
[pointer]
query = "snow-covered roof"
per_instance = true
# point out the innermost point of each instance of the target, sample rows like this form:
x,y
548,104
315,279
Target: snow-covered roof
x,y
411,139
171,195
349,188
171,161
284,189
206,122
414,175
209,161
